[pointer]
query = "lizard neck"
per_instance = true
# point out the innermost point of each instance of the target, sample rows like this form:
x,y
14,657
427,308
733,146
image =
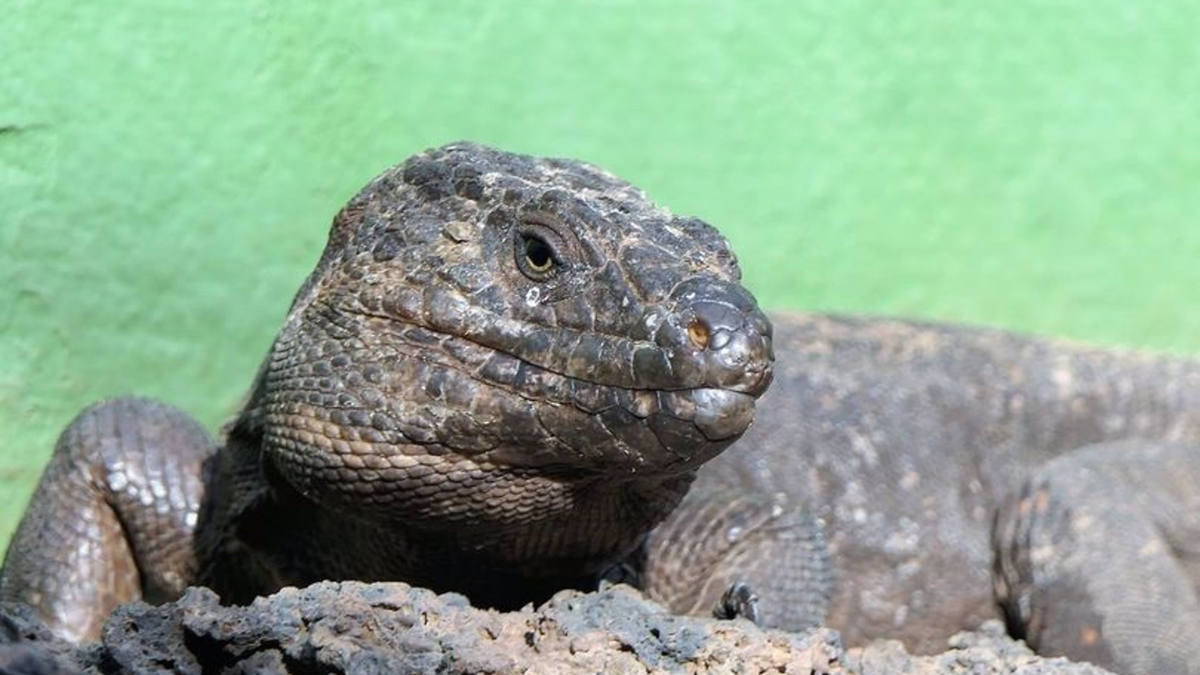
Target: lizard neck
x,y
509,568
293,540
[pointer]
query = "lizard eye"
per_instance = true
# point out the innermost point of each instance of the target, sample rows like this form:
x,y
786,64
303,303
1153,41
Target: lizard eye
x,y
535,257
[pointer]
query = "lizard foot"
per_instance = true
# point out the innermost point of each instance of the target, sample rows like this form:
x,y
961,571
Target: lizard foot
x,y
738,602
721,552
1090,559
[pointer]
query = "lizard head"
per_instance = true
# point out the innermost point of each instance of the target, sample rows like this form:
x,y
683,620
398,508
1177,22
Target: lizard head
x,y
488,334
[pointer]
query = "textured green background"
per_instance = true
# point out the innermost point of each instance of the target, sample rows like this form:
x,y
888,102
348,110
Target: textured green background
x,y
167,169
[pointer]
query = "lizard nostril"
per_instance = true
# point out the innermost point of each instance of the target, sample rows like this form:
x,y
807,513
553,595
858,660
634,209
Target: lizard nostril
x,y
699,333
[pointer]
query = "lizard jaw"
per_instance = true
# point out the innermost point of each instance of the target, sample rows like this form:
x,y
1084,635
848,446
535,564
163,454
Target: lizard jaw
x,y
719,414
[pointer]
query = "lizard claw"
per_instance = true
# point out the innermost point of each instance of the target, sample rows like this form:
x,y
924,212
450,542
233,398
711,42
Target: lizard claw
x,y
738,602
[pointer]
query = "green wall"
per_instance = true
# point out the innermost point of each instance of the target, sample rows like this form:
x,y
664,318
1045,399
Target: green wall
x,y
167,172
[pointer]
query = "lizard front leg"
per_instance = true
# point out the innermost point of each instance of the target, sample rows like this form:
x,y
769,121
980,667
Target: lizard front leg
x,y
112,518
741,554
1097,557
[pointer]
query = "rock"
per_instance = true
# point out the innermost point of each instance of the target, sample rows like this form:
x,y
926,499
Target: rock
x,y
363,629
988,651
27,647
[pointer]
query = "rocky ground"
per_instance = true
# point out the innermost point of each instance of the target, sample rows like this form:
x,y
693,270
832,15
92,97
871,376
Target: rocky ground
x,y
363,629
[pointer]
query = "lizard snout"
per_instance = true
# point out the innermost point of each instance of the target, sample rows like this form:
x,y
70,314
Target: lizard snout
x,y
715,343
717,337
736,346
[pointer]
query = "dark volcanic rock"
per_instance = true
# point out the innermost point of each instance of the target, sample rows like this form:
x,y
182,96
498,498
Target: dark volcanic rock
x,y
362,629
27,647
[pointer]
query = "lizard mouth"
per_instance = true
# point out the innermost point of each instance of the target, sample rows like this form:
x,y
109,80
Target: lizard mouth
x,y
719,414
695,425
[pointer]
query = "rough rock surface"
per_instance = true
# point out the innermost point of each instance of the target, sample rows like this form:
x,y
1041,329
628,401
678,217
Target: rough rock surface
x,y
352,627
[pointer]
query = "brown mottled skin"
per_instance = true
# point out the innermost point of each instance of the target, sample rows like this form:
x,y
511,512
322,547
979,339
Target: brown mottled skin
x,y
505,371
957,469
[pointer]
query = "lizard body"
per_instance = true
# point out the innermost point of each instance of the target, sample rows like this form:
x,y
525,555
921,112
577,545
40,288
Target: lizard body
x,y
965,473
439,408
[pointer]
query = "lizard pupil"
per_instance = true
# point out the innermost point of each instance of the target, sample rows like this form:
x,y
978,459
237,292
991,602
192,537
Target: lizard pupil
x,y
538,254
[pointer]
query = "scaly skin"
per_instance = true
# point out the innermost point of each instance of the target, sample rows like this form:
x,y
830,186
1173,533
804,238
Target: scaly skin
x,y
503,372
958,470
434,412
